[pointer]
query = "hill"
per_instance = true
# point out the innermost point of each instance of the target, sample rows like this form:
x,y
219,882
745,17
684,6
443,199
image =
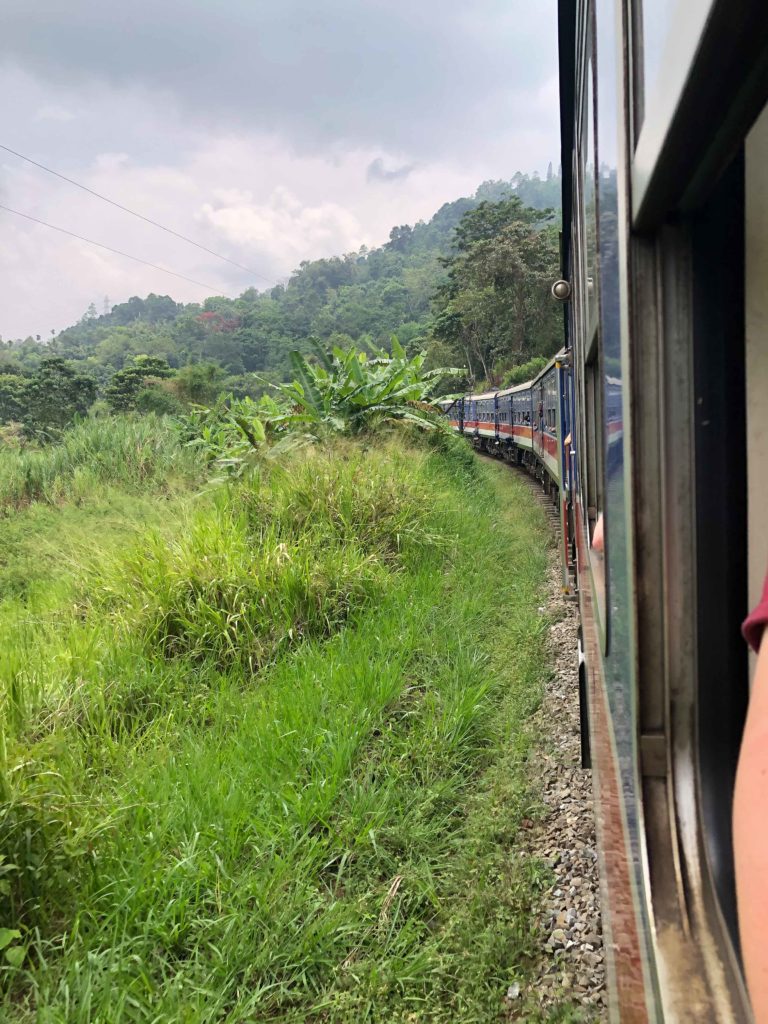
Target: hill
x,y
470,286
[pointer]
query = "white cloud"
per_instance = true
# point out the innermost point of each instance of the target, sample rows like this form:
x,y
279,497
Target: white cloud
x,y
271,132
251,199
52,112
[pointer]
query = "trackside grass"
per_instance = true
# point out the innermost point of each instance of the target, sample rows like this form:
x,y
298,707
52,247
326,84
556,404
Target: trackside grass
x,y
271,765
140,453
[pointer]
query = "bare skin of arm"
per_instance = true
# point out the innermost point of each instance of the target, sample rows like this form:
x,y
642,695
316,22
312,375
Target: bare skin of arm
x,y
750,836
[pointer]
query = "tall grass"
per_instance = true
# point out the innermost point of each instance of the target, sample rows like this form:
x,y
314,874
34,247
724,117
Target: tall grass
x,y
280,562
136,452
219,804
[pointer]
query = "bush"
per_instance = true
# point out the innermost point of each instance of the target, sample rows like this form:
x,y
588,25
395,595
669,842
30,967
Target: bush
x,y
158,401
455,450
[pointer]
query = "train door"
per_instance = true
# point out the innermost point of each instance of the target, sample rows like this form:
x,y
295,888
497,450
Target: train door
x,y
538,419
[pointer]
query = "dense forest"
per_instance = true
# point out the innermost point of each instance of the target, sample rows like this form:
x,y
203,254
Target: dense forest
x,y
470,287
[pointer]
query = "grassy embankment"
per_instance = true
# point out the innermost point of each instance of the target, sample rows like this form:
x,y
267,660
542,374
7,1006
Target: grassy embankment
x,y
267,760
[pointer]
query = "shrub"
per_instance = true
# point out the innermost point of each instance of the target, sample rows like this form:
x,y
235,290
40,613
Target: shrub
x,y
290,557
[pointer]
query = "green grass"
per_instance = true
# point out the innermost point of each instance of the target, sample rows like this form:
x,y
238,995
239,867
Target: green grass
x,y
271,767
137,453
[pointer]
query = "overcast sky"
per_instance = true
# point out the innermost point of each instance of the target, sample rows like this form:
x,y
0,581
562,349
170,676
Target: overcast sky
x,y
271,131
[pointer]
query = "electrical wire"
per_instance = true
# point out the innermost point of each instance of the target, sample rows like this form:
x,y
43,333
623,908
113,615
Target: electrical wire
x,y
117,252
133,213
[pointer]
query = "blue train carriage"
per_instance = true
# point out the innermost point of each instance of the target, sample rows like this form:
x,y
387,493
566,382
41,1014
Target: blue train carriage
x,y
664,131
551,444
453,409
480,420
516,427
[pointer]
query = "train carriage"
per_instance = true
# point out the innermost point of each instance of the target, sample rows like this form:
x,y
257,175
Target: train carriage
x,y
665,216
522,419
547,428
480,415
527,425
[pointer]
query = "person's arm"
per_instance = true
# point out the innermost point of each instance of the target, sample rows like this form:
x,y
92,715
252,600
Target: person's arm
x,y
750,822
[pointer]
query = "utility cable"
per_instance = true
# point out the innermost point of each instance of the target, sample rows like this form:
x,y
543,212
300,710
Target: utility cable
x,y
133,213
117,252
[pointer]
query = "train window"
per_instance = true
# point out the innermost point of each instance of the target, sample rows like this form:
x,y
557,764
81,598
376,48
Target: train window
x,y
588,341
724,477
593,479
669,32
590,203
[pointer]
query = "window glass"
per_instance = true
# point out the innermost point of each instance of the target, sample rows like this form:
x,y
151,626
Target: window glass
x,y
590,202
611,431
589,302
657,19
669,33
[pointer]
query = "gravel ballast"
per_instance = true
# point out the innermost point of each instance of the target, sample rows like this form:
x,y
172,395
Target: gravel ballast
x,y
571,967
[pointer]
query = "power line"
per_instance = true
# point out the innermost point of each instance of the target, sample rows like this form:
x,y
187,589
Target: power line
x,y
117,252
133,213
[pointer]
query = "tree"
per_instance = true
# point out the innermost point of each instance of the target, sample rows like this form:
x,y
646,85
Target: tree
x,y
199,384
367,295
347,392
125,388
13,387
54,396
495,307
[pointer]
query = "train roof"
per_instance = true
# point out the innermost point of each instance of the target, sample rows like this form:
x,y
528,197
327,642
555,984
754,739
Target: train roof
x,y
512,391
558,358
485,394
520,387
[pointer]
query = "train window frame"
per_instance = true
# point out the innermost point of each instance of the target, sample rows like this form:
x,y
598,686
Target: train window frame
x,y
690,292
589,337
683,39
675,168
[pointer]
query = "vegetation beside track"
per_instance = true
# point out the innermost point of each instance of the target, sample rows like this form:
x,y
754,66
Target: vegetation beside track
x,y
267,760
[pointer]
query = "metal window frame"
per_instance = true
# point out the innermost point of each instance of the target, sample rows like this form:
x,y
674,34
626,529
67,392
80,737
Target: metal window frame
x,y
680,297
698,133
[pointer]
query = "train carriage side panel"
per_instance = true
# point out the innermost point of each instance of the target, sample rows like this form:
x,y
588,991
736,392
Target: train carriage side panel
x,y
522,427
563,432
545,432
588,58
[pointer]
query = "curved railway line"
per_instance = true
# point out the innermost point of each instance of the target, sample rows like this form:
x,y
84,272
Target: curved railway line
x,y
648,429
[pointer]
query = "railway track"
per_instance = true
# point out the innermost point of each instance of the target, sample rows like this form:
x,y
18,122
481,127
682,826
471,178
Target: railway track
x,y
570,971
535,485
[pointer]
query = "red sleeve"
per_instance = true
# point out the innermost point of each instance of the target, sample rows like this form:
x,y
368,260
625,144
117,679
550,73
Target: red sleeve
x,y
756,621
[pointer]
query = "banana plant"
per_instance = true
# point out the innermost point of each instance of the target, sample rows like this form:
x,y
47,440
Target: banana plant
x,y
350,391
235,434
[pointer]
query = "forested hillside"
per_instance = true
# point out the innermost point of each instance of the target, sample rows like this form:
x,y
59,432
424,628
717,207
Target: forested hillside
x,y
470,287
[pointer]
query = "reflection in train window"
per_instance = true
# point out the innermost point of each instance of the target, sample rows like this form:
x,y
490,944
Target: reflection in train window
x,y
590,203
670,31
595,461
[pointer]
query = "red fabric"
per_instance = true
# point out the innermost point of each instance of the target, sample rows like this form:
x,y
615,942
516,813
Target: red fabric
x,y
756,621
